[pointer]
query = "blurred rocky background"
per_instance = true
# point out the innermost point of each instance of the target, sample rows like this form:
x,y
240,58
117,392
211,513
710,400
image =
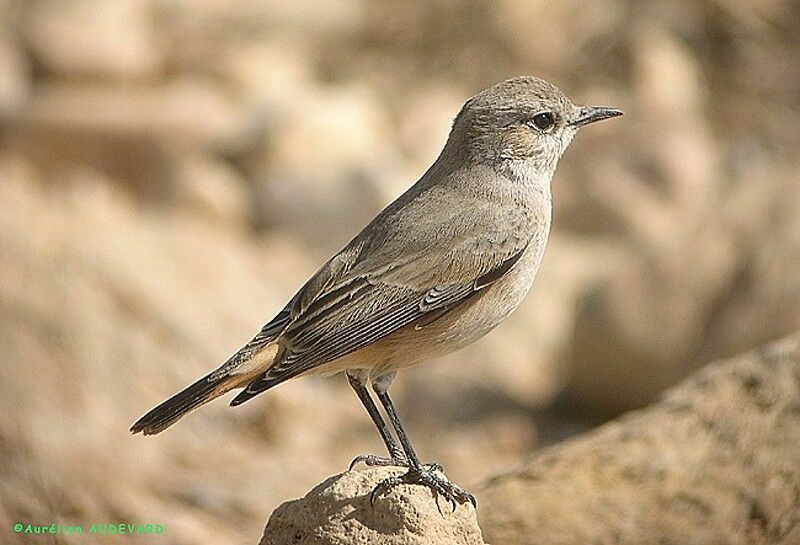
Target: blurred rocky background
x,y
172,170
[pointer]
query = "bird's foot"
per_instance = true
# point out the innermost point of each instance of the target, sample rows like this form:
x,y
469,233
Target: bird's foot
x,y
372,460
426,476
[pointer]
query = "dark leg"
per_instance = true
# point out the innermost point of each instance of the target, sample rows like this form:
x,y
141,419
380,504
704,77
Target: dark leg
x,y
417,473
411,454
397,458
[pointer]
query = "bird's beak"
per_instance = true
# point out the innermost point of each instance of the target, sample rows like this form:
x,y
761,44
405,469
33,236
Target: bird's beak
x,y
590,114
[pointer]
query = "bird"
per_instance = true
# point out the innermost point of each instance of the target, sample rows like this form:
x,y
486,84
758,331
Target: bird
x,y
436,270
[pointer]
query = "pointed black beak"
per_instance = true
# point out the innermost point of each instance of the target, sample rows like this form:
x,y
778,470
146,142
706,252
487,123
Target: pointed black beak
x,y
590,114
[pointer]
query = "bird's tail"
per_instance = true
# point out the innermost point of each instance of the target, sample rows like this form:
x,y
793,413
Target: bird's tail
x,y
201,392
241,368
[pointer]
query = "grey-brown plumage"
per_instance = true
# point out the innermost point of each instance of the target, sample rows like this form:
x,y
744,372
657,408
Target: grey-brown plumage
x,y
437,269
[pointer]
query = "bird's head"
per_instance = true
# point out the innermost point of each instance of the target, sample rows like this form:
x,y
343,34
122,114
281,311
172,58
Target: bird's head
x,y
524,119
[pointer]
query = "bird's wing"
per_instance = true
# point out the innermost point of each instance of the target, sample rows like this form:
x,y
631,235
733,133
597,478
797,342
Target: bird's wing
x,y
372,289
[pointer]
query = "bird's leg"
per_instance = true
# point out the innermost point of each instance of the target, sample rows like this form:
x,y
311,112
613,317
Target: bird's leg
x,y
417,473
396,455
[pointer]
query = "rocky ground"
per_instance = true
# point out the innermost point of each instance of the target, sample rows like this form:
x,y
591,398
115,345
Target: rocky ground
x,y
339,511
171,171
713,461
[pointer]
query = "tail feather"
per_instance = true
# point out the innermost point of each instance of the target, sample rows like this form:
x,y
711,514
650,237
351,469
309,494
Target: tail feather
x,y
256,386
173,409
239,370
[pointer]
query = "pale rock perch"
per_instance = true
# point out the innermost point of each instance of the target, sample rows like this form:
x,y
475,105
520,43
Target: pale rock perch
x,y
337,511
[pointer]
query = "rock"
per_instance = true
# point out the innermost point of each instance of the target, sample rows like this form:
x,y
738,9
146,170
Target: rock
x,y
168,111
214,191
15,76
107,39
715,461
557,43
326,168
700,254
338,512
212,18
425,120
91,275
273,75
141,136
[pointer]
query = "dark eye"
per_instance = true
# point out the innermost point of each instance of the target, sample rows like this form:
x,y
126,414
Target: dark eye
x,y
544,121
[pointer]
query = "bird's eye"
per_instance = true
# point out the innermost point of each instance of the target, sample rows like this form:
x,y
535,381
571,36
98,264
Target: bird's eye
x,y
544,121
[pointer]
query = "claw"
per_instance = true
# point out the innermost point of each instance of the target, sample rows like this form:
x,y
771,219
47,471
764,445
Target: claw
x,y
438,505
381,488
372,498
371,460
426,476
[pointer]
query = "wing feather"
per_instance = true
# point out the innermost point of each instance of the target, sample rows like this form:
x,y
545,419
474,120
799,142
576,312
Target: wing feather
x,y
320,341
